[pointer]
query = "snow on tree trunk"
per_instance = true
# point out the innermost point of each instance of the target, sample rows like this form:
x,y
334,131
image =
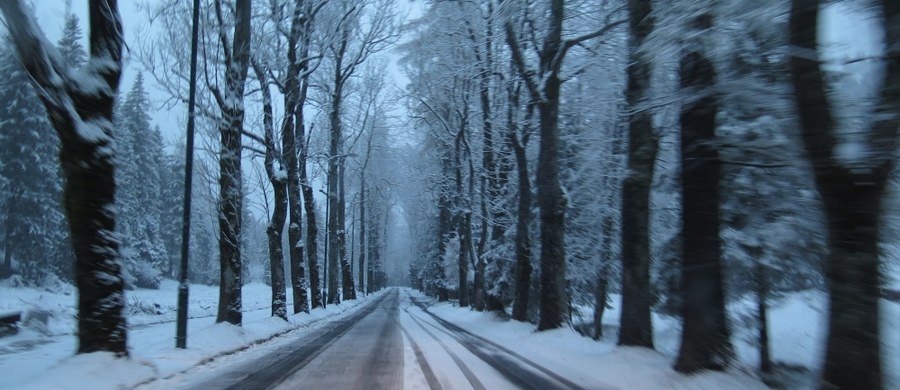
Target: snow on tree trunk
x,y
80,107
524,267
276,174
347,289
293,121
230,190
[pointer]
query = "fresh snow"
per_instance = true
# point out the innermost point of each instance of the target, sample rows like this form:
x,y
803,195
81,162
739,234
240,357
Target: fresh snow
x,y
797,335
42,357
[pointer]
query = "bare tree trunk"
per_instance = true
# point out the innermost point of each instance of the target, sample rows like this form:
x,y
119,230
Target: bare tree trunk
x,y
333,197
853,201
276,253
279,212
554,301
600,290
292,121
705,340
445,223
348,289
362,231
82,118
309,206
523,233
636,327
312,229
6,269
600,296
295,232
237,61
762,297
464,240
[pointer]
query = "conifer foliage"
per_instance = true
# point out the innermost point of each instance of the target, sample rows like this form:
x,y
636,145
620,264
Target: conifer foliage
x,y
140,202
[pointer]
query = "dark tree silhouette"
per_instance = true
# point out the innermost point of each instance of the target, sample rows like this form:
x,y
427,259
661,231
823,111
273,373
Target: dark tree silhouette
x,y
81,112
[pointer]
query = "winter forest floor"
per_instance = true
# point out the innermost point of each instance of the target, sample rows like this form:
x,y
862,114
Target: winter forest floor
x,y
42,357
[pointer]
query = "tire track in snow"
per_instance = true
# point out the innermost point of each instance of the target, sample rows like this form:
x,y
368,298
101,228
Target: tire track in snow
x,y
501,358
467,372
432,380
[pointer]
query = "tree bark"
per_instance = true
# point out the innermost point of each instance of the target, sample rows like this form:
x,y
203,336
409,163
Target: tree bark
x,y
600,296
600,290
230,188
292,121
362,231
636,326
523,233
335,161
705,340
6,269
554,297
462,219
82,117
309,205
762,298
333,167
853,201
348,290
279,193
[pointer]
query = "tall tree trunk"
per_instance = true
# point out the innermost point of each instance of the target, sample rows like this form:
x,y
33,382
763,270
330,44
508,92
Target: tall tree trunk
x,y
523,233
373,255
523,266
636,327
335,162
489,193
292,121
333,198
230,188
6,268
276,253
279,189
83,121
312,228
600,296
554,297
348,289
762,297
464,241
853,199
309,205
445,223
362,231
295,232
600,290
705,341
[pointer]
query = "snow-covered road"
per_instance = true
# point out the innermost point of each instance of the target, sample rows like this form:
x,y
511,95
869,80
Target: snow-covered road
x,y
390,343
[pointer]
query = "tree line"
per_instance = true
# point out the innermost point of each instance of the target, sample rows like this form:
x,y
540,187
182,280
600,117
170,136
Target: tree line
x,y
683,154
117,185
602,131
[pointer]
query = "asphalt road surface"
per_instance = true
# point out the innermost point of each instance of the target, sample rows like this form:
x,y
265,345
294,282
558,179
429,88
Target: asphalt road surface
x,y
392,342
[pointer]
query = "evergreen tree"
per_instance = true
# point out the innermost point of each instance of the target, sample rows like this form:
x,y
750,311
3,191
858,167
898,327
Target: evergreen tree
x,y
171,192
35,241
140,202
70,44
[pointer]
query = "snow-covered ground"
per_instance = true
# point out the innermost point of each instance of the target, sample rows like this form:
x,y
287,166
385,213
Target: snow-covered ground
x,y
43,358
32,359
797,326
